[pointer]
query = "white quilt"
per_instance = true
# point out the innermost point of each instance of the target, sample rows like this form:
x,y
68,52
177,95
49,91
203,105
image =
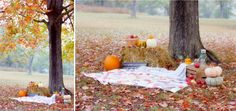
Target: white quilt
x,y
149,77
38,99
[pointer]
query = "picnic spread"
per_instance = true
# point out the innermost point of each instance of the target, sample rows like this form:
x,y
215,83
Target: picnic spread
x,y
144,63
37,93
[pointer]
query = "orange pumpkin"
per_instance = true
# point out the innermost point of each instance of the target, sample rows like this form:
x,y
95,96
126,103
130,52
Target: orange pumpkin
x,y
22,93
111,62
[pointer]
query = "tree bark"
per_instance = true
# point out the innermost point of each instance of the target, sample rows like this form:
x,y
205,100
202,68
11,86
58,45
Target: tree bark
x,y
133,9
221,9
55,52
31,59
184,31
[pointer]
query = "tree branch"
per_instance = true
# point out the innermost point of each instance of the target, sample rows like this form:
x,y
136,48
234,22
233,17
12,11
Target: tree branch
x,y
65,13
42,21
68,17
65,7
36,20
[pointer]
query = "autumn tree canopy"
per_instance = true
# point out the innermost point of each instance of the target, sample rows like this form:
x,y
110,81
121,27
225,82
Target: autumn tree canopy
x,y
24,25
30,23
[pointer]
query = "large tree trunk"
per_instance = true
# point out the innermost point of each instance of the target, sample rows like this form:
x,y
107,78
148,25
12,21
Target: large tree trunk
x,y
31,59
55,52
184,30
133,9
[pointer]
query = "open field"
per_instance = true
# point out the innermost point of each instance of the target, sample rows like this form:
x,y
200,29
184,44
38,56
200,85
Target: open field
x,y
11,78
144,23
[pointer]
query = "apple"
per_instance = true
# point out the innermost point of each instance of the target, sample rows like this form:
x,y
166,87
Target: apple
x,y
201,82
196,65
191,77
131,36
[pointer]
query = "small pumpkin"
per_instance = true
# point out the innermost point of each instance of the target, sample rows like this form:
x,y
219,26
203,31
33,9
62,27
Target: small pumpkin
x,y
151,41
188,61
22,93
111,62
214,81
218,70
213,71
142,44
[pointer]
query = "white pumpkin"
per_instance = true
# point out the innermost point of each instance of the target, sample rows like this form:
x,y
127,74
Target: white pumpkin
x,y
210,72
215,81
218,70
151,41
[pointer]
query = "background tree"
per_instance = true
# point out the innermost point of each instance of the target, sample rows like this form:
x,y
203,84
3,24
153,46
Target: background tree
x,y
184,37
22,21
133,8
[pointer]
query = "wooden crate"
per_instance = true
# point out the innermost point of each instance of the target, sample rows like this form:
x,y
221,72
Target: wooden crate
x,y
198,73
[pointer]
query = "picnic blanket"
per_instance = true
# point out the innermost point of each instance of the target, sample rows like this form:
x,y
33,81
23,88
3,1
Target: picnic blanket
x,y
37,99
149,77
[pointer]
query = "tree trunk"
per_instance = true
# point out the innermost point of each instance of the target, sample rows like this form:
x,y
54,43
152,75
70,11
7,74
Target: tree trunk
x,y
55,52
30,64
166,10
184,31
221,9
133,9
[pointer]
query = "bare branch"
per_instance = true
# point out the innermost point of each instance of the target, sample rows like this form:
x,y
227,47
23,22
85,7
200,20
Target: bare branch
x,y
65,13
42,21
69,16
65,7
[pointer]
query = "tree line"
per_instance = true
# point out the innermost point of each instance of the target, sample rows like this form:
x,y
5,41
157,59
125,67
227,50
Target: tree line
x,y
207,8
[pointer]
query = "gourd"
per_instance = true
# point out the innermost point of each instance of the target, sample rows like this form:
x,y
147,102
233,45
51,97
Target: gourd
x,y
151,42
22,93
141,44
213,71
188,61
214,81
111,62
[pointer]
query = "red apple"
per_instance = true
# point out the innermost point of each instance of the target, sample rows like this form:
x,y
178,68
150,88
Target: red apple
x,y
191,77
201,82
131,36
196,65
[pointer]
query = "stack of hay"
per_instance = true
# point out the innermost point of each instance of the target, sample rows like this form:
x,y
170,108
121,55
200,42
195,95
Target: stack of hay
x,y
155,57
34,88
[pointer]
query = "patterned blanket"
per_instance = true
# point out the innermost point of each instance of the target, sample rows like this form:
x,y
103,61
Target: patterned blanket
x,y
148,77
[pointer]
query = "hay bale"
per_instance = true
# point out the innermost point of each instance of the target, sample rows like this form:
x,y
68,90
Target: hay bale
x,y
33,88
41,91
155,57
